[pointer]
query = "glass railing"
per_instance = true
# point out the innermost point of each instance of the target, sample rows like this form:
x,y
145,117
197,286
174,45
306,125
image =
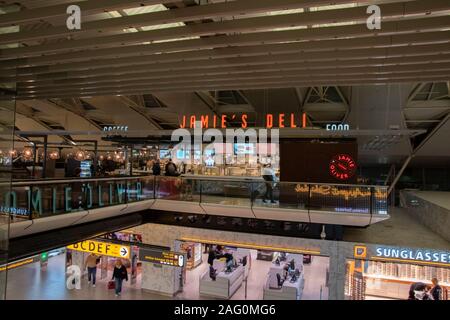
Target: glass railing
x,y
43,198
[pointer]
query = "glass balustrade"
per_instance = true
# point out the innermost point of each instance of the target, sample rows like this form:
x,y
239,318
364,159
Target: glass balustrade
x,y
43,198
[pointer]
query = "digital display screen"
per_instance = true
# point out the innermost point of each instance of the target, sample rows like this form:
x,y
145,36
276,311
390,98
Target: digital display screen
x,y
183,154
244,148
85,167
164,154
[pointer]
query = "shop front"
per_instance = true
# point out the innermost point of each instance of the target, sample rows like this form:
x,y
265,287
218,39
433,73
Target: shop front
x,y
383,272
123,246
228,270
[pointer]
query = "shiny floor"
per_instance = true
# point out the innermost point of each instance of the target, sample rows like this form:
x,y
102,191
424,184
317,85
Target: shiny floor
x,y
31,283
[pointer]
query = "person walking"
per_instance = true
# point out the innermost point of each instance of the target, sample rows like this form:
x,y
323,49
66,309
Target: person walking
x,y
91,264
120,273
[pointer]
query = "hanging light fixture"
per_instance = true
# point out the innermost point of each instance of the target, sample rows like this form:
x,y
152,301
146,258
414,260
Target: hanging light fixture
x,y
54,155
80,155
101,157
27,153
13,153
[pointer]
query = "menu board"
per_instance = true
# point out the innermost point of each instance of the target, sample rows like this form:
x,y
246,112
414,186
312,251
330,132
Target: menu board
x,y
168,258
85,167
244,148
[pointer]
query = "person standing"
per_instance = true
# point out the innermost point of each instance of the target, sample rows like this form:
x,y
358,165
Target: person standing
x,y
91,264
269,177
120,273
436,290
156,168
171,169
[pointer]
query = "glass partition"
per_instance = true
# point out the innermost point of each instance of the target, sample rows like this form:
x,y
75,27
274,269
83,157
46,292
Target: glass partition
x,y
36,199
226,192
7,110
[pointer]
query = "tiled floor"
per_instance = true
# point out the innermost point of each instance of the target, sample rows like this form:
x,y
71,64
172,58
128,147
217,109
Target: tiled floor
x,y
30,283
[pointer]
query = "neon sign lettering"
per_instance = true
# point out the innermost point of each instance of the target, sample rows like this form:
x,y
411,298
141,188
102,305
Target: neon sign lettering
x,y
347,194
280,120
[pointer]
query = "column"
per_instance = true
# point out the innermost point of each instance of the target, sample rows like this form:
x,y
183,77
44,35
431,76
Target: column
x,y
336,280
160,279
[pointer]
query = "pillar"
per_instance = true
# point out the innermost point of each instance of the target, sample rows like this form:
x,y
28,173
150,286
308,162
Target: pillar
x,y
160,279
336,275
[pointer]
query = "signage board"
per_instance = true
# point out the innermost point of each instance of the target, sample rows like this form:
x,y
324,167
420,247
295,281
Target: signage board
x,y
386,253
168,258
19,263
102,248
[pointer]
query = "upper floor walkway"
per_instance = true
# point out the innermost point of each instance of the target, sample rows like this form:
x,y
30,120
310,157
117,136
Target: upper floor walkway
x,y
42,205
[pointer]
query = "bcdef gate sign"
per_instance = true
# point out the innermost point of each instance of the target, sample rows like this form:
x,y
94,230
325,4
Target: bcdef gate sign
x,y
102,248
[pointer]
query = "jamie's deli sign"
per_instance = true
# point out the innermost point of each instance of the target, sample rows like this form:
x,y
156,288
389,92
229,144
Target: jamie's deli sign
x,y
280,120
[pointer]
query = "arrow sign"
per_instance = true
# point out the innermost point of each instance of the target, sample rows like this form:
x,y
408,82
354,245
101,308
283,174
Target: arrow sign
x,y
123,252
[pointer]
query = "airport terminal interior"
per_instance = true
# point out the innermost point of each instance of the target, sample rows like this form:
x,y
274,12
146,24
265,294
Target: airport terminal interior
x,y
224,150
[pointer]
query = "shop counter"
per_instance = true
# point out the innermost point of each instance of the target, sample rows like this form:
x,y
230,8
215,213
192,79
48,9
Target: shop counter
x,y
225,285
288,291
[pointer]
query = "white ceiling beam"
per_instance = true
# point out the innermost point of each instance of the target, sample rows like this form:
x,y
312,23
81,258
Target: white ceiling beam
x,y
392,33
209,11
59,10
258,83
428,62
97,67
356,14
347,67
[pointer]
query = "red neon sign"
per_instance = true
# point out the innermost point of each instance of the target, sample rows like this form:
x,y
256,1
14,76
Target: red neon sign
x,y
280,120
342,167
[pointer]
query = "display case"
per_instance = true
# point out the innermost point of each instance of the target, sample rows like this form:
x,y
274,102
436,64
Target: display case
x,y
225,285
193,254
265,255
392,280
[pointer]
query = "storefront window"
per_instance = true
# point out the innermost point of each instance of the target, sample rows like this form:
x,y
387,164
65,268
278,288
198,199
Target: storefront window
x,y
385,280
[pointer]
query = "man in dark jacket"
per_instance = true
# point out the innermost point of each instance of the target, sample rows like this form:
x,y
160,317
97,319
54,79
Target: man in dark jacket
x,y
436,290
156,168
171,169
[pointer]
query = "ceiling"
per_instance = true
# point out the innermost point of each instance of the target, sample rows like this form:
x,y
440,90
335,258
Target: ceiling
x,y
143,64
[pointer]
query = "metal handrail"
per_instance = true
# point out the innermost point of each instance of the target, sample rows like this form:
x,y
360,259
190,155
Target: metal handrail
x,y
247,180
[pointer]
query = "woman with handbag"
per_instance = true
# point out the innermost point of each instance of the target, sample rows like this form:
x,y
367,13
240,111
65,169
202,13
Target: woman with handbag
x,y
120,273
